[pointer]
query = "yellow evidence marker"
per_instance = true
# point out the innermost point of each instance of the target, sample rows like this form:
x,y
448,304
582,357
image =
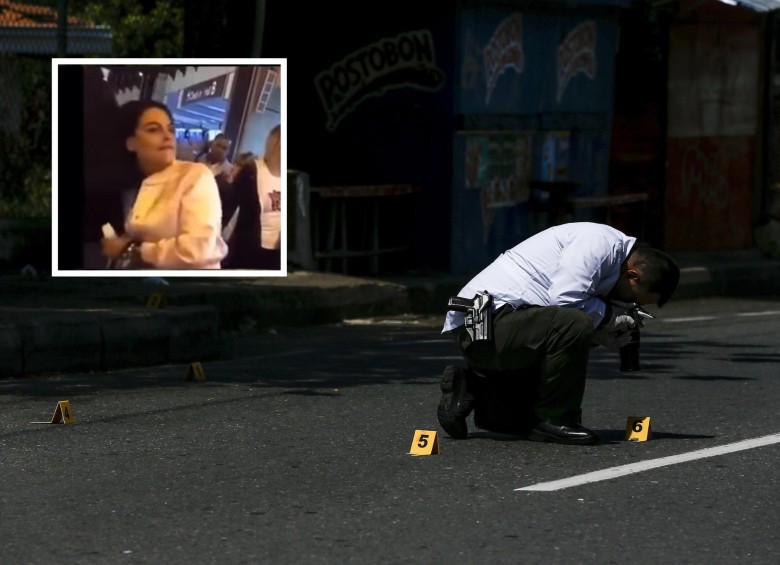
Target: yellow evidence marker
x,y
425,442
157,300
62,414
196,372
638,428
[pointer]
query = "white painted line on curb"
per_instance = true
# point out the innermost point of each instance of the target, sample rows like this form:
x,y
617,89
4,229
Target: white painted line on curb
x,y
614,472
767,313
693,319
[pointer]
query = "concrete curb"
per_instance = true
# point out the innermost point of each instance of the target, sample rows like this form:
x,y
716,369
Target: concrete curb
x,y
271,306
34,342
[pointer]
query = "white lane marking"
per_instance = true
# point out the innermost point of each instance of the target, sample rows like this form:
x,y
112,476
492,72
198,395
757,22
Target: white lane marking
x,y
614,472
692,319
767,313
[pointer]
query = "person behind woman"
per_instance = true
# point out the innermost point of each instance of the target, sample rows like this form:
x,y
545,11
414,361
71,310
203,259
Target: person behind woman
x,y
227,191
256,242
241,161
175,219
215,156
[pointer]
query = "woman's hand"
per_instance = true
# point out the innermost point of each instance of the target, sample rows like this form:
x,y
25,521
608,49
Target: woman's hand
x,y
114,246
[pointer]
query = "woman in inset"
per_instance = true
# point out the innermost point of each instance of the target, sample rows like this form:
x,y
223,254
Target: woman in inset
x,y
256,242
175,222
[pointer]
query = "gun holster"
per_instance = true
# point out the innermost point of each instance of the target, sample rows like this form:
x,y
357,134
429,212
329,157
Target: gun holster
x,y
479,315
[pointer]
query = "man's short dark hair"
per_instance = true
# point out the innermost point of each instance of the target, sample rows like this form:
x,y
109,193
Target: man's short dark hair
x,y
659,270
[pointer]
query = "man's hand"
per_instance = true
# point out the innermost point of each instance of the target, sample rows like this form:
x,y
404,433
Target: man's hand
x,y
616,333
620,324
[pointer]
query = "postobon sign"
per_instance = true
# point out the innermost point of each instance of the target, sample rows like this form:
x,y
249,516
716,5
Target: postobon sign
x,y
406,60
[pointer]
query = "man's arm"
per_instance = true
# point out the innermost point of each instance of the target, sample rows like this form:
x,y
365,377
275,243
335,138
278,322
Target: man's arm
x,y
583,264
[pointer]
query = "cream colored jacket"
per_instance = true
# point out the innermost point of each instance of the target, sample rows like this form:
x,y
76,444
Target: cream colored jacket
x,y
177,216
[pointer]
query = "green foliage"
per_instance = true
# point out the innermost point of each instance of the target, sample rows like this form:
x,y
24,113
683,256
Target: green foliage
x,y
25,174
138,31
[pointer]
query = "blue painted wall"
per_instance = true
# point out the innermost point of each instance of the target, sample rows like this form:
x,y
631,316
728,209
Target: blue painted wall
x,y
508,79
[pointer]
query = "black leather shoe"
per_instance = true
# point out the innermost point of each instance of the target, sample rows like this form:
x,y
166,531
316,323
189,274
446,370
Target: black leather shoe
x,y
456,402
570,435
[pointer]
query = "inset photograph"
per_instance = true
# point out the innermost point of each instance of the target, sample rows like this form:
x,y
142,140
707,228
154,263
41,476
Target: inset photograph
x,y
180,167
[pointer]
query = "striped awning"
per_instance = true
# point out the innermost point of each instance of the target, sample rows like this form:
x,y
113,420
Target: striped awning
x,y
132,76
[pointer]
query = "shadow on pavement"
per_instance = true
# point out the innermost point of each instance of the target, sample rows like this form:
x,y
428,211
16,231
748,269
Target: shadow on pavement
x,y
610,437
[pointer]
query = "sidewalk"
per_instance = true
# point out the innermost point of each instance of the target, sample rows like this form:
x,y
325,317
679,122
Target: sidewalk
x,y
80,324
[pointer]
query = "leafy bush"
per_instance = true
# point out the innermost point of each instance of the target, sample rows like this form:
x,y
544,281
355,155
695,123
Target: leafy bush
x,y
25,174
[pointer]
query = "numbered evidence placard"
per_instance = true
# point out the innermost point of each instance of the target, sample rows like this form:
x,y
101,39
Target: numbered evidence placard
x,y
638,428
62,414
157,300
195,372
425,442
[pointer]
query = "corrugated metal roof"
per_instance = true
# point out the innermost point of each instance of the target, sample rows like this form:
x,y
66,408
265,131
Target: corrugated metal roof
x,y
15,14
32,30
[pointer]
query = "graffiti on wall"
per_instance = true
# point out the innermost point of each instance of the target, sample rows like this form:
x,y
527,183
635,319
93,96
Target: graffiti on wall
x,y
576,54
709,193
714,77
504,51
499,165
555,156
406,60
705,175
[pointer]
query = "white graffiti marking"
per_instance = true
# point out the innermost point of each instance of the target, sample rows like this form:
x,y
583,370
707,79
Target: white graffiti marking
x,y
576,54
504,51
704,176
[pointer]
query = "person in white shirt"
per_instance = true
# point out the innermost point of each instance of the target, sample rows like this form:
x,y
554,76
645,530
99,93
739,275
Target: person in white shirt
x,y
269,192
256,241
175,221
555,295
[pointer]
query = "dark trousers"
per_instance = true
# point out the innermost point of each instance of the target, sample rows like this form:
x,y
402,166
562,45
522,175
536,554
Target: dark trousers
x,y
534,369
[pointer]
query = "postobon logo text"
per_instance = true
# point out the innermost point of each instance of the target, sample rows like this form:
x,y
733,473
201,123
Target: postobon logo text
x,y
405,60
577,55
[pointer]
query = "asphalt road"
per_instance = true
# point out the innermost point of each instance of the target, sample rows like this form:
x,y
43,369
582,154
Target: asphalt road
x,y
295,450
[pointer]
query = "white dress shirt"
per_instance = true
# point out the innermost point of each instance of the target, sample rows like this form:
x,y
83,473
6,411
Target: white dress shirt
x,y
568,265
177,216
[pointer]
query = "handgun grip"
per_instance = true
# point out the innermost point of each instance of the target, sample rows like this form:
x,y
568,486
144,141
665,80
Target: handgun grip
x,y
459,304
